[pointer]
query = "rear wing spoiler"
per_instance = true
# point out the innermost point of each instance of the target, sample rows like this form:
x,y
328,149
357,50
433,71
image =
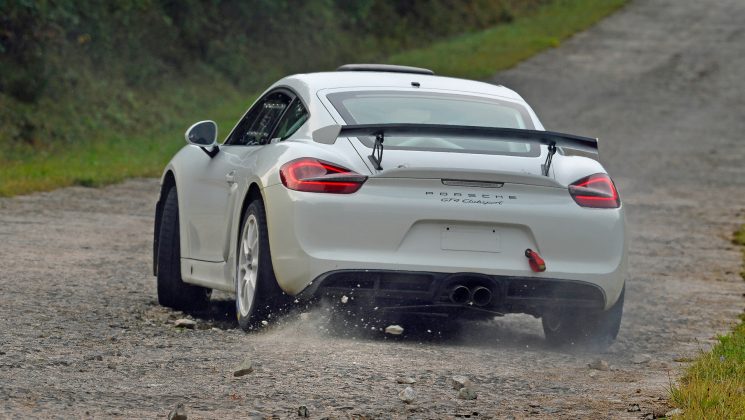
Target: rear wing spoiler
x,y
329,134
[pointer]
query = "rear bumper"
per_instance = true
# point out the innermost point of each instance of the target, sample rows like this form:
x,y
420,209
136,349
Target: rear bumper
x,y
396,225
428,292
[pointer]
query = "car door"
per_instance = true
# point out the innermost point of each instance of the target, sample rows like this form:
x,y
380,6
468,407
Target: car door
x,y
215,185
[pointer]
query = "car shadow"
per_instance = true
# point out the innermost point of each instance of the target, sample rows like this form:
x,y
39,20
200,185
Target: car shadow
x,y
219,314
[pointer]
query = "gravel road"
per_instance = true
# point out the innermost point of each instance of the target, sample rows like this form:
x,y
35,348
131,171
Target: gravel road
x,y
660,83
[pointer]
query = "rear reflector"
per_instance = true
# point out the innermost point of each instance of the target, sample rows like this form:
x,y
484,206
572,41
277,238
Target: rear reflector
x,y
313,175
597,191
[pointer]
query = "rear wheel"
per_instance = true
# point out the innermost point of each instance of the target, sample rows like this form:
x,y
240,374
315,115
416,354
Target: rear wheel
x,y
257,295
172,291
582,327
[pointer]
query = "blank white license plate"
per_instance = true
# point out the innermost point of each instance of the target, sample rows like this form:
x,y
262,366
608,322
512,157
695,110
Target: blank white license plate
x,y
470,238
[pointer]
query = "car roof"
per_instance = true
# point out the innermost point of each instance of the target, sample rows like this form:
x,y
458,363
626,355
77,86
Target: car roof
x,y
310,83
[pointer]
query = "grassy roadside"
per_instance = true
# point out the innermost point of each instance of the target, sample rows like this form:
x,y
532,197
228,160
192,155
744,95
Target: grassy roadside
x,y
479,55
114,154
111,158
714,385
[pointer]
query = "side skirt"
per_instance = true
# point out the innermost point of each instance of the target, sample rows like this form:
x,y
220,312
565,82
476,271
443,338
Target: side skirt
x,y
206,274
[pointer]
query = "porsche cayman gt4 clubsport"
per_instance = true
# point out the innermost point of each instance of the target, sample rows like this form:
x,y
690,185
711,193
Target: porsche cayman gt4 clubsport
x,y
397,190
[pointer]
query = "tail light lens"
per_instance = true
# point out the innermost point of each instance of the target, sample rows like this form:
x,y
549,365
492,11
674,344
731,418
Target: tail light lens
x,y
596,191
313,175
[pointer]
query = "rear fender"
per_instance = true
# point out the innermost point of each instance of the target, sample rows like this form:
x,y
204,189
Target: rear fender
x,y
250,191
569,168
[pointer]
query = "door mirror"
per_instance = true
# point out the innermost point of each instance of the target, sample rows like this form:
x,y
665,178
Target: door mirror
x,y
202,134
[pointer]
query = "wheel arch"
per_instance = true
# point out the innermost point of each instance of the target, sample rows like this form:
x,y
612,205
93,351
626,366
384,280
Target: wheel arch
x,y
253,192
168,182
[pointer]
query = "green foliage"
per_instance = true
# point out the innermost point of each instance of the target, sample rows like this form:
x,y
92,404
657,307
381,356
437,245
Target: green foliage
x,y
93,92
714,385
71,69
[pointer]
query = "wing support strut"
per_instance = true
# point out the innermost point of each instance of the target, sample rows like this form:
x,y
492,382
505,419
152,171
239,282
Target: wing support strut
x,y
377,152
549,158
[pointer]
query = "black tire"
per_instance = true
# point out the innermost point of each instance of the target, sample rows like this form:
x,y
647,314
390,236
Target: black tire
x,y
172,291
581,327
269,300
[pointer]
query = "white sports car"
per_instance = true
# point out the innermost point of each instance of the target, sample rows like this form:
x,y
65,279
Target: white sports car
x,y
398,190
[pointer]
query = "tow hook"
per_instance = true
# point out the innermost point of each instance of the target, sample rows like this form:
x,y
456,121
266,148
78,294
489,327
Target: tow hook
x,y
536,262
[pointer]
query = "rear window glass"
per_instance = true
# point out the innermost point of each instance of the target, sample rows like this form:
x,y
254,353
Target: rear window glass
x,y
391,107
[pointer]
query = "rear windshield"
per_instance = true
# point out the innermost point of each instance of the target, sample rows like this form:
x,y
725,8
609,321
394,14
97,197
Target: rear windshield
x,y
390,107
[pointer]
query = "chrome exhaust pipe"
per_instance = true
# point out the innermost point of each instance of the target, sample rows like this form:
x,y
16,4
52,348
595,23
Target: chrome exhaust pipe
x,y
460,294
481,296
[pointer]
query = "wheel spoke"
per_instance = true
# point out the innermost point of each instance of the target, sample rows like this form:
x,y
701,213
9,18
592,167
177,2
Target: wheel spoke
x,y
252,279
251,234
245,247
250,287
247,266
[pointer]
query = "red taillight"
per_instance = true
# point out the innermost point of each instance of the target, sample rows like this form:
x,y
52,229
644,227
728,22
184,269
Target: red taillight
x,y
595,191
313,175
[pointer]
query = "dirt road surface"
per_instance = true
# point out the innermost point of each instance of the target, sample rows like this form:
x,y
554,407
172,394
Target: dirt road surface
x,y
660,83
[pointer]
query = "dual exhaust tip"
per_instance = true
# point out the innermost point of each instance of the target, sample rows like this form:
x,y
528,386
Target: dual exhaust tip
x,y
479,296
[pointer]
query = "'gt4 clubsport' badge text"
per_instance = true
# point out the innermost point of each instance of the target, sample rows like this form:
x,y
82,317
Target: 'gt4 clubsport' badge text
x,y
469,198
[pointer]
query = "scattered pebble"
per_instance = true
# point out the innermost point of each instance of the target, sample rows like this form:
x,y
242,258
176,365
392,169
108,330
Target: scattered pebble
x,y
302,411
674,412
185,323
467,393
405,380
264,323
598,364
256,415
640,359
459,381
344,299
534,404
394,330
244,368
593,374
407,395
552,410
178,413
633,408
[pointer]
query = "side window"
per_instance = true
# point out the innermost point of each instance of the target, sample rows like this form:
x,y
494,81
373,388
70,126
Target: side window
x,y
293,119
256,127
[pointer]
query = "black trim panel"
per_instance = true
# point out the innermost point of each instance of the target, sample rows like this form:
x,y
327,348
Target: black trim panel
x,y
431,291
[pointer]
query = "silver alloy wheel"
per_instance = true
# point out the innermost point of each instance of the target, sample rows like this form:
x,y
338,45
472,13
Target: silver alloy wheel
x,y
248,266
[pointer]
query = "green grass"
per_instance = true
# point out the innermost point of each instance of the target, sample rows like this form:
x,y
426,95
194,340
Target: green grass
x,y
479,55
114,154
111,158
714,385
